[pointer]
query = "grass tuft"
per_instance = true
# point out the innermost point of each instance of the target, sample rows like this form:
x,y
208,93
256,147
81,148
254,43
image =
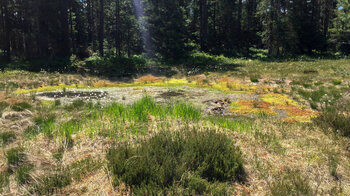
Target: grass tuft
x,y
335,118
7,137
19,107
22,174
15,157
292,183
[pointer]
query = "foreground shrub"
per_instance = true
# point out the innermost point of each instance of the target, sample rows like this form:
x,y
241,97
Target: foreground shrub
x,y
190,160
336,118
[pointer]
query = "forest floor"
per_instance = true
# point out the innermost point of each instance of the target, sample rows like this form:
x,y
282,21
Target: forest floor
x,y
56,129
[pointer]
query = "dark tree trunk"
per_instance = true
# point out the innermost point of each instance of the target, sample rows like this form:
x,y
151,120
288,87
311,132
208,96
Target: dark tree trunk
x,y
239,18
72,31
89,20
204,24
43,38
117,26
7,29
101,28
64,49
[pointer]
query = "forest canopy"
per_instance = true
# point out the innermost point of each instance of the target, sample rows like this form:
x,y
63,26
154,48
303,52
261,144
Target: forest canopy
x,y
41,29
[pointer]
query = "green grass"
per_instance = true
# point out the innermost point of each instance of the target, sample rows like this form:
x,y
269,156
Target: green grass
x,y
22,174
64,176
140,110
19,107
336,82
45,123
270,140
3,106
7,137
67,129
75,105
4,181
254,79
239,125
334,118
159,164
15,157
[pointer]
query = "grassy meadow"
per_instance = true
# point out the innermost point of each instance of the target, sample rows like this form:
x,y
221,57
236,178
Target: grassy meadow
x,y
288,136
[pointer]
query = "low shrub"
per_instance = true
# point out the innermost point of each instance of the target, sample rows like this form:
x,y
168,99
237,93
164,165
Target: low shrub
x,y
254,79
159,164
335,118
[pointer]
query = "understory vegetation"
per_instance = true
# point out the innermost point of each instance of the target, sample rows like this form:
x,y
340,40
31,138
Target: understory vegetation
x,y
252,127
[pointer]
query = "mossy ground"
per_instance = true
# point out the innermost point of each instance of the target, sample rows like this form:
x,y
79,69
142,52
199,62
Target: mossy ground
x,y
63,145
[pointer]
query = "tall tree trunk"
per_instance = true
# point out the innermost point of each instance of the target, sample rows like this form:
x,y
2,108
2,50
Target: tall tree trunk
x,y
204,24
7,29
239,19
72,30
63,45
117,26
43,38
101,28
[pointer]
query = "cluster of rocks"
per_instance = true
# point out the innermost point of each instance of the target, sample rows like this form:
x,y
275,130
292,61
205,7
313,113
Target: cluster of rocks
x,y
219,107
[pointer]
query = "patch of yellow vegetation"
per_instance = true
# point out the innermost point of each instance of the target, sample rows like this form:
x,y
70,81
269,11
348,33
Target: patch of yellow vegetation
x,y
105,84
47,88
147,79
272,102
252,107
279,99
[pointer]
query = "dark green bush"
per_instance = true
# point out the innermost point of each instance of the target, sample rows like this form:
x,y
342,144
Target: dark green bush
x,y
160,163
254,79
114,66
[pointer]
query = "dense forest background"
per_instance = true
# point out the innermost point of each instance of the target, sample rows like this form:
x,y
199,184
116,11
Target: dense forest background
x,y
42,29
